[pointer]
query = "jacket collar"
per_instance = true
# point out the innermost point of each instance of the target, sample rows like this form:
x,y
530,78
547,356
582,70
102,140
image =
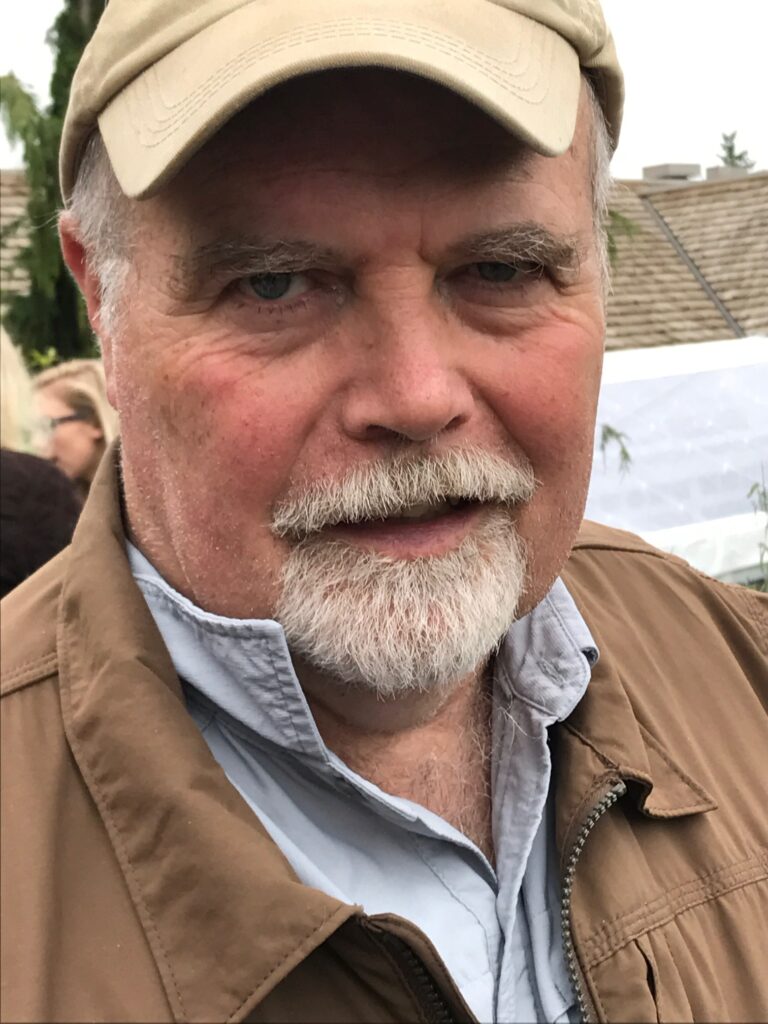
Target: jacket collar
x,y
618,729
171,815
616,743
603,742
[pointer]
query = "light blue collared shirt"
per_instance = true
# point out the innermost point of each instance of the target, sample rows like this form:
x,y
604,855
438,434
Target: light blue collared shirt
x,y
498,931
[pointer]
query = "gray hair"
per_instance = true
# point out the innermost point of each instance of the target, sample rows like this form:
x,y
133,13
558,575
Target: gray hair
x,y
601,181
105,226
105,220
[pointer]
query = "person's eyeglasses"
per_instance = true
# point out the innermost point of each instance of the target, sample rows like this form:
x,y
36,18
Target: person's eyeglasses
x,y
51,422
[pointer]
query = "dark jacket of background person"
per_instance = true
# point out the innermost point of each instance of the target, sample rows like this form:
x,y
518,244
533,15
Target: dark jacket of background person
x,y
38,513
160,896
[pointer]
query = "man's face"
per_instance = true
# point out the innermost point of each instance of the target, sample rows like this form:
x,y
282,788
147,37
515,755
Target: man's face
x,y
360,267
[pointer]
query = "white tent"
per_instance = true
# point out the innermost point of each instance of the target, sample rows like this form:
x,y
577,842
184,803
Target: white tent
x,y
695,422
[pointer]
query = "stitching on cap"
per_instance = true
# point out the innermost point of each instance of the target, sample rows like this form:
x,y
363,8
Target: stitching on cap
x,y
449,46
223,75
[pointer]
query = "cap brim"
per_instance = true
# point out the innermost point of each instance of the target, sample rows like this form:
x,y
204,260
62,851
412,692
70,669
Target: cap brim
x,y
519,72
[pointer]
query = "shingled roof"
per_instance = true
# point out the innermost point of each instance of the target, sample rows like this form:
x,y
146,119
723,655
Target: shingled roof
x,y
13,233
693,268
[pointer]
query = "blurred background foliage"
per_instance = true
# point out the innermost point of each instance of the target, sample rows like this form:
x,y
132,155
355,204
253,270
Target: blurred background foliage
x,y
51,315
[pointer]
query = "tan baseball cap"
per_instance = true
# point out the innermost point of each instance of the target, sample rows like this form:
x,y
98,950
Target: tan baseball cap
x,y
160,77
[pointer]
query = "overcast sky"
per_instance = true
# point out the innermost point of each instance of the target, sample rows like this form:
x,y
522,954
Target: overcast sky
x,y
694,69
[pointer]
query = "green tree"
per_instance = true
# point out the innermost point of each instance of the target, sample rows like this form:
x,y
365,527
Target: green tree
x,y
758,495
610,435
617,226
728,155
52,312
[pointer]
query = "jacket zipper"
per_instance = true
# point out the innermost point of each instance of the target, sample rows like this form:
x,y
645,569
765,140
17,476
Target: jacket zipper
x,y
435,1006
574,972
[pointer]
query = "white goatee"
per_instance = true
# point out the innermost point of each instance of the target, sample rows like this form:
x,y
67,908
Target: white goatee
x,y
398,626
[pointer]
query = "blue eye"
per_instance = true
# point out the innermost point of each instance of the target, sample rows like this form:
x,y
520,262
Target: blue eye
x,y
270,286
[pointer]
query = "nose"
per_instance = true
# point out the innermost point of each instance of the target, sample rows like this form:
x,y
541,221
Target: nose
x,y
408,382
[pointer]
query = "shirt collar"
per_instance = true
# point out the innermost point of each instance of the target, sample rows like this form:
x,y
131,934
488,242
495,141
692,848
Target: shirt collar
x,y
546,657
244,666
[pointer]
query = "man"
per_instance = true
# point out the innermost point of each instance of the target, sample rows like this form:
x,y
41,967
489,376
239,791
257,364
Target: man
x,y
315,719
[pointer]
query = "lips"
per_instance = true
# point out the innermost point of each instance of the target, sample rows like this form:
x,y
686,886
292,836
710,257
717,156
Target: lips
x,y
424,511
418,491
422,530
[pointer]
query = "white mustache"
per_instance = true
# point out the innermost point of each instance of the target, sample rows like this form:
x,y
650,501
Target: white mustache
x,y
379,490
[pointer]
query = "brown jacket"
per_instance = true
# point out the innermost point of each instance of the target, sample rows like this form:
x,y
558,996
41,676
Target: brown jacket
x,y
138,886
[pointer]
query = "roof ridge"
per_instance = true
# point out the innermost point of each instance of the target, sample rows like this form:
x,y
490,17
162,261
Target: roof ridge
x,y
642,188
701,279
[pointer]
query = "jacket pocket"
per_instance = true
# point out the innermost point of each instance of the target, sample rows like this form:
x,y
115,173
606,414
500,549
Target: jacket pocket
x,y
624,986
671,1001
708,963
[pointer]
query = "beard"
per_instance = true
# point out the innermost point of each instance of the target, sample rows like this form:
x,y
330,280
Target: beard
x,y
396,626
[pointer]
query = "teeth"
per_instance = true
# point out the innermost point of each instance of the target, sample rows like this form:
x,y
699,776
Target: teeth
x,y
424,510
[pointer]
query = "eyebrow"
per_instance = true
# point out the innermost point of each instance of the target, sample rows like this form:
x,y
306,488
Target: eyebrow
x,y
245,257
526,242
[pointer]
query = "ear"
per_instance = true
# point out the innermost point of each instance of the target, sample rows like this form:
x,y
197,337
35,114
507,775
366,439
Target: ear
x,y
77,260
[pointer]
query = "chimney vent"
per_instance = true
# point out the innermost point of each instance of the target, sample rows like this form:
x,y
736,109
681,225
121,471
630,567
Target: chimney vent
x,y
726,173
671,172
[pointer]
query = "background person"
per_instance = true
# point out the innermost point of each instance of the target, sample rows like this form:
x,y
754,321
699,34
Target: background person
x,y
21,426
38,504
72,397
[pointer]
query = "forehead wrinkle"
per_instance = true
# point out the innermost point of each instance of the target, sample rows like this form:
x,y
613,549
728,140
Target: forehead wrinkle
x,y
522,241
434,171
465,160
457,165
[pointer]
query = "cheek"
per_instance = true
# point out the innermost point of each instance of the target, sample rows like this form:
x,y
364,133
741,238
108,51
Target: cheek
x,y
241,427
73,443
547,406
546,397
